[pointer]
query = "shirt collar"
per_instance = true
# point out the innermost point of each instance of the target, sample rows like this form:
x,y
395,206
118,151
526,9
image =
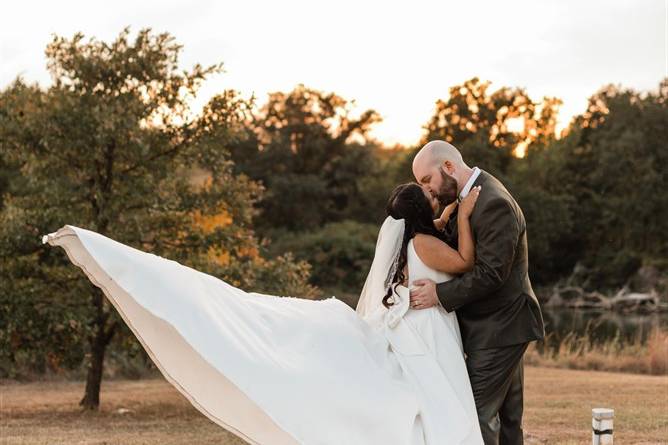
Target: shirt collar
x,y
469,184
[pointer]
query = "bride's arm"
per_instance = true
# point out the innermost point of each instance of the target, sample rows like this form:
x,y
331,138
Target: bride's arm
x,y
442,220
438,255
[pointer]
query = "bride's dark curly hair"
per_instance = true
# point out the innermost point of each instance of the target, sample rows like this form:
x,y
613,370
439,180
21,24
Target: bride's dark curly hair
x,y
408,201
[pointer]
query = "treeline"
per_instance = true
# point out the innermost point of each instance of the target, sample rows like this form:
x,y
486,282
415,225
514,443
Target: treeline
x,y
594,198
284,197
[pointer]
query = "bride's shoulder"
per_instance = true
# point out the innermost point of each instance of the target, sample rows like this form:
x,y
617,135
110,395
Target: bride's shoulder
x,y
434,254
423,242
423,238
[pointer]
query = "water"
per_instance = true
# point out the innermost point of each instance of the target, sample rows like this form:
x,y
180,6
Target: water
x,y
601,326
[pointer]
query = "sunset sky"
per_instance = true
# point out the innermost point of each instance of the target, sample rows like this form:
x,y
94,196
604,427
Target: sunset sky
x,y
394,57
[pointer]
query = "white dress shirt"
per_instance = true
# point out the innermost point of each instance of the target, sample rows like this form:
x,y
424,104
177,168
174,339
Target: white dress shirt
x,y
469,184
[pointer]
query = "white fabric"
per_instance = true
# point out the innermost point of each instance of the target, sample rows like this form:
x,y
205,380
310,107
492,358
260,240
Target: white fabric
x,y
388,323
388,245
469,184
441,377
281,370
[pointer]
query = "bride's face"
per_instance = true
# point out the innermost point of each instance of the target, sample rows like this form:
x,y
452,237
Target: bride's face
x,y
433,202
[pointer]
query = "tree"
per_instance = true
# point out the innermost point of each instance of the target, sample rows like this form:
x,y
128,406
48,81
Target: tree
x,y
114,146
612,164
490,128
309,152
550,212
595,197
340,252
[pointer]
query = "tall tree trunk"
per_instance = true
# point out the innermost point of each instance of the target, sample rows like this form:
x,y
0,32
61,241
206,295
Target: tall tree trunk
x,y
101,334
98,341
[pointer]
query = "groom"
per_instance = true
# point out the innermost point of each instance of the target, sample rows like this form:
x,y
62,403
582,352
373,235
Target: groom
x,y
497,310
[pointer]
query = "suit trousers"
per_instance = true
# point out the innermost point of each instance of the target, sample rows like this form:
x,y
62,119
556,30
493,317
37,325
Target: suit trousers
x,y
497,380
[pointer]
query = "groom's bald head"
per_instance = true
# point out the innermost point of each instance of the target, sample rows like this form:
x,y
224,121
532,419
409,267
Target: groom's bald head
x,y
440,169
435,153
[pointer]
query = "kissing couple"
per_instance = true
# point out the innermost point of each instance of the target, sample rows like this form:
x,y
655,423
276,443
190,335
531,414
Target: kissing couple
x,y
432,354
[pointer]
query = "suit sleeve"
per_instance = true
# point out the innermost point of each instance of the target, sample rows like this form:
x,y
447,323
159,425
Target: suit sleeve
x,y
497,236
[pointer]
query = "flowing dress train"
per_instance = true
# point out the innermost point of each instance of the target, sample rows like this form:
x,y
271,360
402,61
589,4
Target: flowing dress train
x,y
283,370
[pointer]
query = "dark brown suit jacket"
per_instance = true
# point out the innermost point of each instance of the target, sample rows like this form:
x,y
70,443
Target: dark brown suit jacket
x,y
495,303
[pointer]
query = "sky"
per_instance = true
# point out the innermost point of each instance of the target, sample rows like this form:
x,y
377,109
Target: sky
x,y
397,58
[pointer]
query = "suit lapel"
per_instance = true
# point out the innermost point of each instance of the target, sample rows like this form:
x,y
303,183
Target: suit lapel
x,y
481,179
452,223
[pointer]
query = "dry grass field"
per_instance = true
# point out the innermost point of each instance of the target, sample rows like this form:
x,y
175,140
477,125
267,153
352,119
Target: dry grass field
x,y
557,411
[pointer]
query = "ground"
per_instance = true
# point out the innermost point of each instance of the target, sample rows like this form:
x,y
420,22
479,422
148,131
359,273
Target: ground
x,y
558,405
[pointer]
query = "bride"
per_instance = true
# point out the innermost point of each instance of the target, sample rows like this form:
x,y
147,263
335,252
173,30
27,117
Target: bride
x,y
283,370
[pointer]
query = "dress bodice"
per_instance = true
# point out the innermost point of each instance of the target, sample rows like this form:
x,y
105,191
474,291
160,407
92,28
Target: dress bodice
x,y
418,270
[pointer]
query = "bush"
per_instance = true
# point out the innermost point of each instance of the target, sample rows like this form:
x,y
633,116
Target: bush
x,y
340,254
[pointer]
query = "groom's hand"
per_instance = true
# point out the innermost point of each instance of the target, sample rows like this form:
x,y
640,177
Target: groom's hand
x,y
423,294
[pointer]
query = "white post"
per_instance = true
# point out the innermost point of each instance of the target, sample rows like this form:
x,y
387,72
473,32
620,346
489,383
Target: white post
x,y
601,422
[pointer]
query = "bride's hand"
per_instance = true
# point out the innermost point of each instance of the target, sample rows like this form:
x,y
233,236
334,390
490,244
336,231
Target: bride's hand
x,y
447,211
468,203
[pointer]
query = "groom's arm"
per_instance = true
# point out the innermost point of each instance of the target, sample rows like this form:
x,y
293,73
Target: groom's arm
x,y
497,235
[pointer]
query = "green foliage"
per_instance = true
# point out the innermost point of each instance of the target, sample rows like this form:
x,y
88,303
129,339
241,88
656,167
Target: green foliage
x,y
613,166
390,168
502,119
309,152
340,253
550,214
113,146
594,197
284,276
563,185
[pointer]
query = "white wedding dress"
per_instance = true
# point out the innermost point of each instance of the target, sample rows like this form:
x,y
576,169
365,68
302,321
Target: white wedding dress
x,y
281,370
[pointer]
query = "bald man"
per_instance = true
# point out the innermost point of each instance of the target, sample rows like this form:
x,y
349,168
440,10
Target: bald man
x,y
496,307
